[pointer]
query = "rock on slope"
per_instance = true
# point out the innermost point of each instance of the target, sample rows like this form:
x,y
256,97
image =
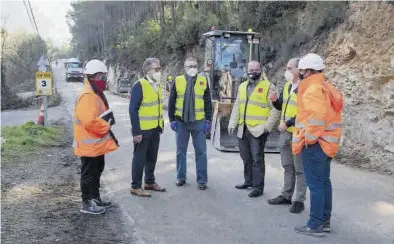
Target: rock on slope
x,y
358,56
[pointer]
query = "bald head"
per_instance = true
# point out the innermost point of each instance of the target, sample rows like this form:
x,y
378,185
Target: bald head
x,y
254,66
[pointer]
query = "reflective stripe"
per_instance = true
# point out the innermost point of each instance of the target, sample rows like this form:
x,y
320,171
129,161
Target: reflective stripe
x,y
291,102
151,117
310,137
263,105
151,103
199,96
179,96
101,110
256,117
179,110
95,140
334,126
317,122
199,110
299,125
296,139
332,139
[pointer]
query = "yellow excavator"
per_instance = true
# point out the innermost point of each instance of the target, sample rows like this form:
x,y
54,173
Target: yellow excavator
x,y
226,58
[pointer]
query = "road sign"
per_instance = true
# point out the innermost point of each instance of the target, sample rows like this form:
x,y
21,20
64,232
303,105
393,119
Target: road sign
x,y
44,85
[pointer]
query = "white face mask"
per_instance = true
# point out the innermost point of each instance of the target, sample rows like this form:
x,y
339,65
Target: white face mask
x,y
156,76
289,76
192,72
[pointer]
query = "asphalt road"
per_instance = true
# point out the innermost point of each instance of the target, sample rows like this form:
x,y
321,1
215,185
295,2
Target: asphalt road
x,y
363,205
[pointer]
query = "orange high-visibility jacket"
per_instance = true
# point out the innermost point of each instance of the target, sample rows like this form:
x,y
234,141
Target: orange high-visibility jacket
x,y
319,115
91,137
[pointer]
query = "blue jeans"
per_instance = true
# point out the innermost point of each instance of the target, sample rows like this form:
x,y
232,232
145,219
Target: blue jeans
x,y
196,129
317,175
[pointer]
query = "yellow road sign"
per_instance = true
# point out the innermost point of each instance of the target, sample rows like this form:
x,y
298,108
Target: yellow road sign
x,y
44,85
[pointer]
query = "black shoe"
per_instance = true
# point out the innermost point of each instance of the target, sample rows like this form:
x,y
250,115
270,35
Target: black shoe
x,y
256,193
297,207
91,207
101,203
326,226
305,230
279,200
202,186
243,186
180,182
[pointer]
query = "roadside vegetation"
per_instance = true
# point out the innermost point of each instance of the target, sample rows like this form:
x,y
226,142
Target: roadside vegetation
x,y
20,53
23,142
125,33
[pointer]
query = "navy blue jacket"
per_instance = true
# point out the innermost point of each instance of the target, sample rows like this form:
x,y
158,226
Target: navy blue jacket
x,y
278,105
134,106
172,101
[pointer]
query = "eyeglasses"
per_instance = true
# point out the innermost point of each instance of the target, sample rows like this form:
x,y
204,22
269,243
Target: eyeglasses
x,y
157,69
191,66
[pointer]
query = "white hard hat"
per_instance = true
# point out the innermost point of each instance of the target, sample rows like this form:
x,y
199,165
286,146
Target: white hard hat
x,y
95,66
311,61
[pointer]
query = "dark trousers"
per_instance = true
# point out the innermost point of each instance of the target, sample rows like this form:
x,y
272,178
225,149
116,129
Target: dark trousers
x,y
252,154
145,157
91,170
317,174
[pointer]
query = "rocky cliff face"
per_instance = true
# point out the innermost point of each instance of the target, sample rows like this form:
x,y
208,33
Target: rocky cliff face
x,y
359,56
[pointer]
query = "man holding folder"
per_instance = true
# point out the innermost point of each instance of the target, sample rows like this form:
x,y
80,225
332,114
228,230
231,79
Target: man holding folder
x,y
93,137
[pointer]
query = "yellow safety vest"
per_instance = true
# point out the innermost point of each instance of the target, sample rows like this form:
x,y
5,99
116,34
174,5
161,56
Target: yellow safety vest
x,y
289,105
151,109
199,89
256,109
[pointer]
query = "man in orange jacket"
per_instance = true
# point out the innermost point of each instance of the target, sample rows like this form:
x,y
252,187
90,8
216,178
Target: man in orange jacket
x,y
317,135
93,137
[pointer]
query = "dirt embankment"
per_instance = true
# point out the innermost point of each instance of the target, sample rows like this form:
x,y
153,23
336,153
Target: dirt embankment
x,y
41,200
358,61
358,56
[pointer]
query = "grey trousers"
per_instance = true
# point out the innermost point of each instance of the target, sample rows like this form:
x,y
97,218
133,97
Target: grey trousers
x,y
294,179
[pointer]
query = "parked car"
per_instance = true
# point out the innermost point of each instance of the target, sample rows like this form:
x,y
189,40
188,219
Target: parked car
x,y
123,85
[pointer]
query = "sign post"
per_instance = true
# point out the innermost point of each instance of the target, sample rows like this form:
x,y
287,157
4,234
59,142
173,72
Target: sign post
x,y
44,85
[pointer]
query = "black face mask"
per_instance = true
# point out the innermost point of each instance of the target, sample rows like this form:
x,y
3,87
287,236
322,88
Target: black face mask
x,y
254,76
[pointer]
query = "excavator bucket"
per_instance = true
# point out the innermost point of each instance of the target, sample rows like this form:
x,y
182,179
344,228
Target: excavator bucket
x,y
220,138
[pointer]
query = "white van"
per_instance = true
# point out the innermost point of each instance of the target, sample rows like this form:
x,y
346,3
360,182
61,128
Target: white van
x,y
74,70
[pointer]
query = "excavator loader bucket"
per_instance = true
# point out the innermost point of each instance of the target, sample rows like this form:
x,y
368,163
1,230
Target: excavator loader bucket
x,y
220,138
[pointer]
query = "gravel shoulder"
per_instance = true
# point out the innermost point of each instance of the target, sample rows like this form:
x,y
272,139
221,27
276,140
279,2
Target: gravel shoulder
x,y
41,199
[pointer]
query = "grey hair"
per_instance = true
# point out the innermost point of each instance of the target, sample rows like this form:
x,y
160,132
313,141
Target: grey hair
x,y
146,66
191,59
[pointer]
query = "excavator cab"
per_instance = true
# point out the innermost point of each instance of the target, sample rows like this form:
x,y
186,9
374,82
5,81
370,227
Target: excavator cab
x,y
227,54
